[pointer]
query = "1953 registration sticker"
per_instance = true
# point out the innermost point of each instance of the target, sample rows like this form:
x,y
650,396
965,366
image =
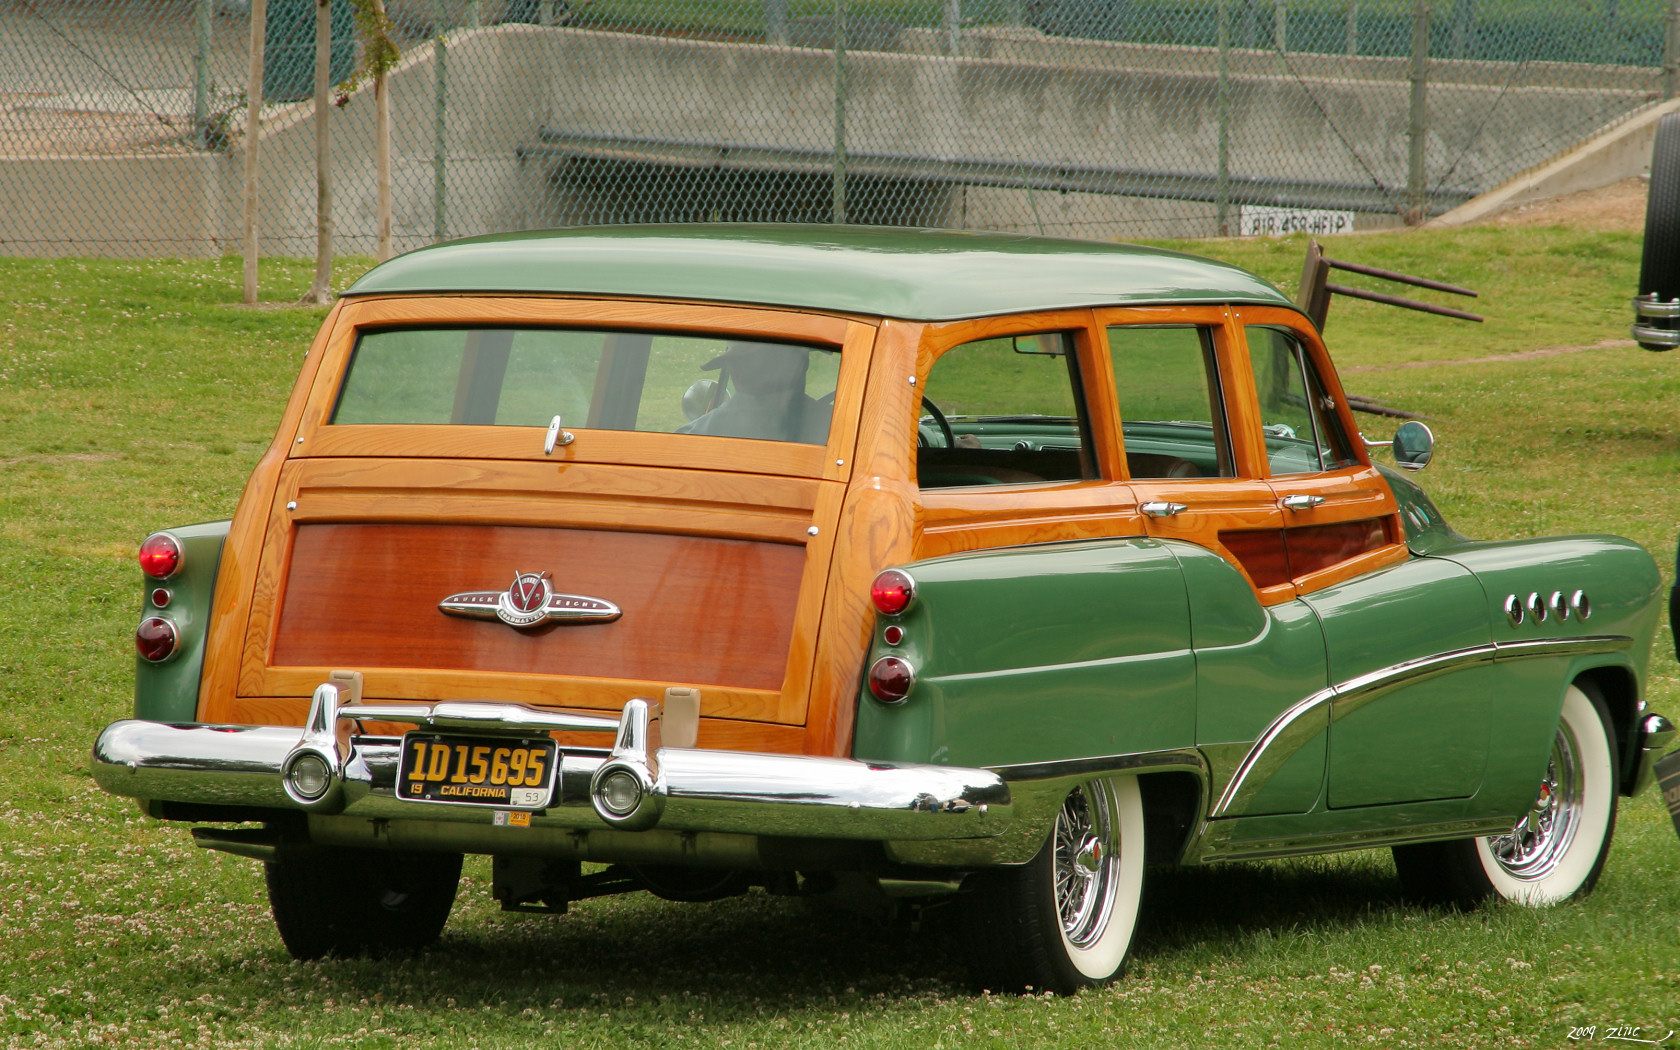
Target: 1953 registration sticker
x,y
510,772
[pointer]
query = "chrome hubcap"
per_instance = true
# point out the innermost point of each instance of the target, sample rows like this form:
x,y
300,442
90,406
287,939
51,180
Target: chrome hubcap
x,y
1086,864
1533,849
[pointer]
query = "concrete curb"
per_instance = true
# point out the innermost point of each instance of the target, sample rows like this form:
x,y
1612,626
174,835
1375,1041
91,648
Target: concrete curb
x,y
1620,152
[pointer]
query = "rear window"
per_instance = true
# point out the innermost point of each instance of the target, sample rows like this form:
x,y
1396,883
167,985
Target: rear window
x,y
655,382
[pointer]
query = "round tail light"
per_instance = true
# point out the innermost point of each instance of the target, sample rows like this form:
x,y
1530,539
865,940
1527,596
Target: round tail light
x,y
156,639
160,556
893,591
891,678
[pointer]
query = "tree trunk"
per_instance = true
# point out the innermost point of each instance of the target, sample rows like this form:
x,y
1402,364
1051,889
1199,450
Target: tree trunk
x,y
320,292
253,134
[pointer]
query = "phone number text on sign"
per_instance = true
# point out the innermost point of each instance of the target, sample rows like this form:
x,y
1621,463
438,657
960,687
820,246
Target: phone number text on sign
x,y
1262,221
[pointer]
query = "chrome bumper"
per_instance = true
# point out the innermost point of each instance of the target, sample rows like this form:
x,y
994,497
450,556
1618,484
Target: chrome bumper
x,y
675,788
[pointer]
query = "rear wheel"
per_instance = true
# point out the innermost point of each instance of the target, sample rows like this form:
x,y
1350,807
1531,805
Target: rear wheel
x,y
1064,920
356,901
1557,849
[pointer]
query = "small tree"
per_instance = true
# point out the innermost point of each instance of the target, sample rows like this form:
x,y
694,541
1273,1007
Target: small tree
x,y
379,57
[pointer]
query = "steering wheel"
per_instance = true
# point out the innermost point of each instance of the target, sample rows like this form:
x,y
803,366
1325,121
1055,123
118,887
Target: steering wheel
x,y
940,421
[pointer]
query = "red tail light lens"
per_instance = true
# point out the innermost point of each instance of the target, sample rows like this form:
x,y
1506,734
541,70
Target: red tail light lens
x,y
890,679
893,591
160,556
156,639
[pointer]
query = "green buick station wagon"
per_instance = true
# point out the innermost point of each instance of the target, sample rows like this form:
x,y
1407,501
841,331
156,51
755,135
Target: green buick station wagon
x,y
977,569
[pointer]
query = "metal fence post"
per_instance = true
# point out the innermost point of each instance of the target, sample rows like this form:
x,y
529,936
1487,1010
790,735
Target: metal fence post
x,y
953,26
1222,179
440,154
474,18
776,22
839,206
1280,26
201,75
1416,189
1353,27
1671,51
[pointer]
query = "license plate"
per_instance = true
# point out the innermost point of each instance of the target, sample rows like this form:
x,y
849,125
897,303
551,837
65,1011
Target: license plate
x,y
1668,782
507,772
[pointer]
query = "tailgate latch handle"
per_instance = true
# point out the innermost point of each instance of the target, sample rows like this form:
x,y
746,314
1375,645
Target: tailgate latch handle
x,y
556,436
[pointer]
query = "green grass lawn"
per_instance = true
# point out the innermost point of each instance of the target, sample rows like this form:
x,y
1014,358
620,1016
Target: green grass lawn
x,y
135,395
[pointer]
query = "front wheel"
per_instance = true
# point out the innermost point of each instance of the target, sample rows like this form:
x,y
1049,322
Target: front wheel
x,y
1064,920
1557,849
333,901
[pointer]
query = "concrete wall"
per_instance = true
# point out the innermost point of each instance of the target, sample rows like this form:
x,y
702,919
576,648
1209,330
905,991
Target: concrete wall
x,y
1027,107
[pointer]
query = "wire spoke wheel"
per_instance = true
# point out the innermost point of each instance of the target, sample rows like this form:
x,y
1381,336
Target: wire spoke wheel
x,y
1533,849
1086,865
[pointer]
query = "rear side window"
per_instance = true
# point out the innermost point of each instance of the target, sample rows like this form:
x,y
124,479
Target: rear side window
x,y
655,382
1302,430
1005,411
1171,411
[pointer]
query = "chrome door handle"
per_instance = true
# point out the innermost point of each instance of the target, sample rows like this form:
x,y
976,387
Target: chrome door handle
x,y
1301,502
1160,508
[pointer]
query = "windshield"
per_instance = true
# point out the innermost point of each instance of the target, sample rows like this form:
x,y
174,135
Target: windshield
x,y
663,383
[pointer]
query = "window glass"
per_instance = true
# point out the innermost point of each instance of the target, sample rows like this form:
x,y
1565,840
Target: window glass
x,y
663,383
1002,412
1172,415
1303,432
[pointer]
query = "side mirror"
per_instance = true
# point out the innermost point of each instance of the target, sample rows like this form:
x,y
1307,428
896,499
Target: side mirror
x,y
697,399
1414,445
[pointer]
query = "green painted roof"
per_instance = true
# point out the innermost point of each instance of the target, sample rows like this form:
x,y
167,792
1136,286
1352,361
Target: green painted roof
x,y
929,275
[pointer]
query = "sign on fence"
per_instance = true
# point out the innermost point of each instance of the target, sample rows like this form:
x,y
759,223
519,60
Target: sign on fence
x,y
1262,221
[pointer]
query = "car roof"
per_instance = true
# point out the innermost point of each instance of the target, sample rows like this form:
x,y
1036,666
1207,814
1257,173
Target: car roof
x,y
925,275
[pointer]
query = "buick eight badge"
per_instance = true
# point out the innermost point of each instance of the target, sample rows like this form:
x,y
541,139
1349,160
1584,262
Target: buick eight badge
x,y
530,601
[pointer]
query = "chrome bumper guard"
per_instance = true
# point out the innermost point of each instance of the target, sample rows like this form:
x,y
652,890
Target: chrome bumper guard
x,y
1655,734
1663,334
332,768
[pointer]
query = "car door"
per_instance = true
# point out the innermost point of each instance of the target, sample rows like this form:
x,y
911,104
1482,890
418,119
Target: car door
x,y
1193,457
1408,722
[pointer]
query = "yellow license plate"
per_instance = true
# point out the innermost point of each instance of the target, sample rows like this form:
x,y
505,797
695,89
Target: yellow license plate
x,y
507,772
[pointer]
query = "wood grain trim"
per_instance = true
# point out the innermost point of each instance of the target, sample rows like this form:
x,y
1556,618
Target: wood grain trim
x,y
875,528
643,314
1232,388
620,447
491,492
594,694
1382,557
236,575
719,733
957,520
1309,338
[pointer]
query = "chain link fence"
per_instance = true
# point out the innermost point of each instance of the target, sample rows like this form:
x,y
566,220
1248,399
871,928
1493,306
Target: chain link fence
x,y
122,121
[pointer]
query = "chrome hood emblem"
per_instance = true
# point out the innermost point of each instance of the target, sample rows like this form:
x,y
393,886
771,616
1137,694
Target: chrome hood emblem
x,y
530,601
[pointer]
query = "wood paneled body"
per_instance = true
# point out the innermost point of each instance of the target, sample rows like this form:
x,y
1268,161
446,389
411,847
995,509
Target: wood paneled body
x,y
717,549
696,609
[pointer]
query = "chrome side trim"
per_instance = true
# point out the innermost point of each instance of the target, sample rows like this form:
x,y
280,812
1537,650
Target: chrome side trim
x,y
1215,841
1184,759
1300,723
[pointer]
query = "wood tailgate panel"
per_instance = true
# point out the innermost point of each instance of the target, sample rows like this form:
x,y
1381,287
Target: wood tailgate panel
x,y
699,610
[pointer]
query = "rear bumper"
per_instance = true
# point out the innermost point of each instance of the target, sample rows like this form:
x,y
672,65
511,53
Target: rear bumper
x,y
679,789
